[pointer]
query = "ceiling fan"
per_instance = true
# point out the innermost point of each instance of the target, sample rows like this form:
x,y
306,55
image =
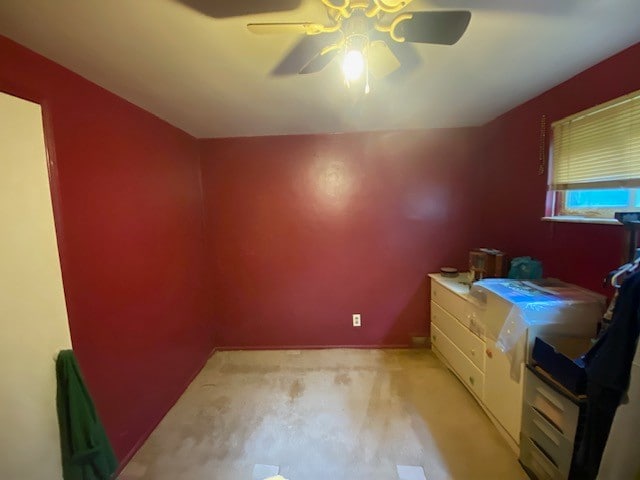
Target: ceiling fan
x,y
360,33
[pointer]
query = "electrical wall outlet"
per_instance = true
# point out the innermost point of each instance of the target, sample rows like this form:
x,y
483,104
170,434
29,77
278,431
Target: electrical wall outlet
x,y
356,319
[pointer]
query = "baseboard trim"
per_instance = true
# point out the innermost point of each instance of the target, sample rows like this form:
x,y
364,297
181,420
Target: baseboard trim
x,y
311,347
143,438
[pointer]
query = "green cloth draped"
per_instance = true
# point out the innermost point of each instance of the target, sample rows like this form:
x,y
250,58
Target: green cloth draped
x,y
86,452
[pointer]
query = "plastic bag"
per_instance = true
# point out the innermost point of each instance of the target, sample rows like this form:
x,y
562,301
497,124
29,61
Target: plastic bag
x,y
525,268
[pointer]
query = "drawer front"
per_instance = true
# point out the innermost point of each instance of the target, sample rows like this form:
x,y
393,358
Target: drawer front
x,y
535,460
470,375
555,407
448,300
474,319
460,335
557,448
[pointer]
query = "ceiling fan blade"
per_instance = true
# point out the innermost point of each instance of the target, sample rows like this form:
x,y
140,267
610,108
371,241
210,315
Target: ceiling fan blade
x,y
319,61
226,9
406,53
441,28
306,48
285,27
382,61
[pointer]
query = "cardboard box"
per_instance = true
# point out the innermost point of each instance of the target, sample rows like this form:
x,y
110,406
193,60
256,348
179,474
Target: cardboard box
x,y
561,357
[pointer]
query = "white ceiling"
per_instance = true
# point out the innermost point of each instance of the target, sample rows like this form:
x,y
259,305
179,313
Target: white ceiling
x,y
210,76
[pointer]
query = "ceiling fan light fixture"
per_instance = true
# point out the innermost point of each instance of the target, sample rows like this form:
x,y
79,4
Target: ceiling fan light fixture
x,y
353,65
355,61
368,39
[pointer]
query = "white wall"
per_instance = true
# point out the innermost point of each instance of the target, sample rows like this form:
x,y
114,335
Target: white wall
x,y
33,317
621,460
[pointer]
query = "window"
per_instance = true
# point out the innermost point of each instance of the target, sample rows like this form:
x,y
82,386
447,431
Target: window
x,y
596,160
599,203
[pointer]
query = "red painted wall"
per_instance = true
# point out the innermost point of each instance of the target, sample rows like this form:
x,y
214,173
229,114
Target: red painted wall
x,y
303,231
514,194
299,232
127,198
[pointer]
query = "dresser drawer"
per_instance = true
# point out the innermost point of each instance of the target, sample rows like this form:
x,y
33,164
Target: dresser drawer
x,y
470,375
474,319
535,460
448,300
557,448
472,346
555,407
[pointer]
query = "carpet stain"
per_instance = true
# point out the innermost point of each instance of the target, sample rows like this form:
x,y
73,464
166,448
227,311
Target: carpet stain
x,y
221,404
296,390
255,369
342,379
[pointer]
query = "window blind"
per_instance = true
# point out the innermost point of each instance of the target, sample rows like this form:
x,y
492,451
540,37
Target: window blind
x,y
598,147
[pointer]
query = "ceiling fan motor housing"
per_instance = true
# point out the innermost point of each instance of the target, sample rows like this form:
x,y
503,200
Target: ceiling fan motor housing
x,y
356,31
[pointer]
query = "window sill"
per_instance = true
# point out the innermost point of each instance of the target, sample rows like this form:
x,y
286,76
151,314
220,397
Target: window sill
x,y
567,219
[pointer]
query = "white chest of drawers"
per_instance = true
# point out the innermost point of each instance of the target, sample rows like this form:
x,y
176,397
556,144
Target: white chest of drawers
x,y
463,335
550,423
462,349
458,338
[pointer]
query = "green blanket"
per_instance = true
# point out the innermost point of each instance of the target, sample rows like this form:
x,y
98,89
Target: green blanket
x,y
86,452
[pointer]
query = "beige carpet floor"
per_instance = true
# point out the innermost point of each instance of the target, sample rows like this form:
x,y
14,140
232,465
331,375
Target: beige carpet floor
x,y
340,414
